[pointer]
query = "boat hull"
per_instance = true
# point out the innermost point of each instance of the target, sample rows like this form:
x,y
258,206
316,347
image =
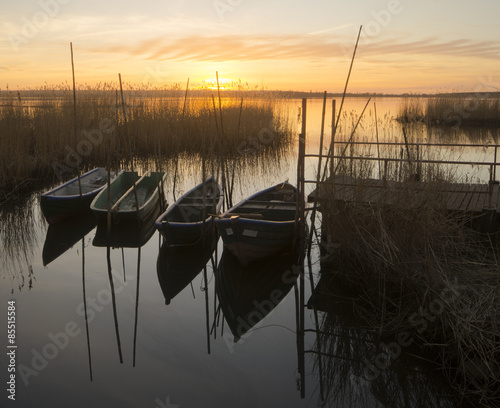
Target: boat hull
x,y
251,240
148,196
261,225
189,220
65,200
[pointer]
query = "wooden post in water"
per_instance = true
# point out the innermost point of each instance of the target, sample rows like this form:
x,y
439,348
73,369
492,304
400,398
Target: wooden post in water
x,y
74,121
332,140
179,143
300,229
378,145
81,202
129,148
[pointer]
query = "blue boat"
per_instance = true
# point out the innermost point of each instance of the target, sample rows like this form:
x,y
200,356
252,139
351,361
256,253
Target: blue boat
x,y
65,201
260,225
190,218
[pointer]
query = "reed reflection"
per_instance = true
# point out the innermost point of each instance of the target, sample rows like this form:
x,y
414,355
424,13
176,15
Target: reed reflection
x,y
359,368
19,226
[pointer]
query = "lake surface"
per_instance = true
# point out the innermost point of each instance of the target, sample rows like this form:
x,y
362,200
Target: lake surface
x,y
142,352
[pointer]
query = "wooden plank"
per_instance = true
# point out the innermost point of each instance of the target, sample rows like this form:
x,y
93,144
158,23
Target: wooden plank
x,y
480,195
455,197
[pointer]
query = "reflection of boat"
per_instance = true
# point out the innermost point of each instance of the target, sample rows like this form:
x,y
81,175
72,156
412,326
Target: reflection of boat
x,y
249,293
65,233
261,224
178,266
184,221
123,197
126,234
64,200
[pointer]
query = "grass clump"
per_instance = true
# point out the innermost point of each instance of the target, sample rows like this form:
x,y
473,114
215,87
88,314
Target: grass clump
x,y
452,111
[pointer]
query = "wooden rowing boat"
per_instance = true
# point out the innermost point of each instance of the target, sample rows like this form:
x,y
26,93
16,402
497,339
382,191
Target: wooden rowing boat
x,y
65,201
122,197
190,218
260,225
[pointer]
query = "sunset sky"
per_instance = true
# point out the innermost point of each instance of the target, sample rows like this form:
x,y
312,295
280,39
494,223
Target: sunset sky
x,y
406,45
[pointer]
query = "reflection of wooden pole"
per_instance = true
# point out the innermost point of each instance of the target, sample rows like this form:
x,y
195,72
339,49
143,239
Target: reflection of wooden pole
x,y
113,300
85,308
137,302
203,235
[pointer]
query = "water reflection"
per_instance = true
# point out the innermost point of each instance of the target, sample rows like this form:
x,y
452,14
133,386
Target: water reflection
x,y
248,293
130,234
64,234
19,224
358,368
178,266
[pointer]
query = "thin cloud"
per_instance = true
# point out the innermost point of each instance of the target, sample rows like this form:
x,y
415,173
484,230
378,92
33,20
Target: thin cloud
x,y
293,47
329,30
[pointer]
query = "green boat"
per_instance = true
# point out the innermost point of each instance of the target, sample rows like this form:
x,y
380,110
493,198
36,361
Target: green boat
x,y
122,197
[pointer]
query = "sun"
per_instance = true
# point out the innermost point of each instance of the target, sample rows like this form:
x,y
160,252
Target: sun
x,y
224,83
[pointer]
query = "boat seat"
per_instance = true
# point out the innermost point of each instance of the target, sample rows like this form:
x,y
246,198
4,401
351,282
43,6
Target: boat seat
x,y
269,206
199,200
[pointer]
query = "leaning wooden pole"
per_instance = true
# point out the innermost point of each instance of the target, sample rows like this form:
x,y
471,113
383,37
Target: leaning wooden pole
x,y
225,176
129,147
75,132
176,170
334,130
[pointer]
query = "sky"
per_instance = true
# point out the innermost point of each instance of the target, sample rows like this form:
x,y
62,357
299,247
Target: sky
x,y
405,46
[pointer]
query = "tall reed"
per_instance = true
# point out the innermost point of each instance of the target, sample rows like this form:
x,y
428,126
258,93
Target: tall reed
x,y
36,132
402,252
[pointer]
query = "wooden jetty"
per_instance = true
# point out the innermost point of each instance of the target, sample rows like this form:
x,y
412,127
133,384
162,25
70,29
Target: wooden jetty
x,y
453,196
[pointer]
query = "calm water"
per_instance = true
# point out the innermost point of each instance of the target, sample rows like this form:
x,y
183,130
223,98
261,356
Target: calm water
x,y
128,319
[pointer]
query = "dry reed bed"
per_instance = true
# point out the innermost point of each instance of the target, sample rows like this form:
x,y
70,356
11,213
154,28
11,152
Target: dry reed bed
x,y
37,135
421,270
452,111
